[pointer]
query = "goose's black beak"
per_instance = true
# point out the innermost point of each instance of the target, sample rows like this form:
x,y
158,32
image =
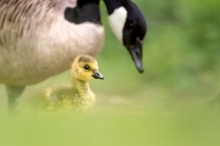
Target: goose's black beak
x,y
97,75
136,54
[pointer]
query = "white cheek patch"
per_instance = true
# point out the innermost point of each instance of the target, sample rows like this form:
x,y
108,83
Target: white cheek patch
x,y
117,21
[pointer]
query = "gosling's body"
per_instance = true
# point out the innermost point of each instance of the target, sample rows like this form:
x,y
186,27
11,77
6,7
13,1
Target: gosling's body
x,y
79,96
69,98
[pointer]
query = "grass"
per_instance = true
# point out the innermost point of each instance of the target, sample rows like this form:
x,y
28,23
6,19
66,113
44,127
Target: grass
x,y
152,114
190,125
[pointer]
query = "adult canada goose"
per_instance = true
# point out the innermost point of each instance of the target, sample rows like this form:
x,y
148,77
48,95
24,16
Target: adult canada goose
x,y
37,33
79,96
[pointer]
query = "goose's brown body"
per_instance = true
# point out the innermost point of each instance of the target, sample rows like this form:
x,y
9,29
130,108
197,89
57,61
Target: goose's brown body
x,y
34,34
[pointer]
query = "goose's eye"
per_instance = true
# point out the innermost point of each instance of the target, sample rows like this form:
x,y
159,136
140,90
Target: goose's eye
x,y
131,24
86,67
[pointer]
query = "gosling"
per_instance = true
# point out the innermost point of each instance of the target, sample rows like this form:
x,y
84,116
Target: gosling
x,y
78,97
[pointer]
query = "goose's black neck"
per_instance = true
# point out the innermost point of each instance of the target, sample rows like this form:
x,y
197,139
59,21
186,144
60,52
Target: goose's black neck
x,y
114,4
85,11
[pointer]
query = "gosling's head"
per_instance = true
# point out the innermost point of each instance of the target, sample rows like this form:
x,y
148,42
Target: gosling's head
x,y
85,68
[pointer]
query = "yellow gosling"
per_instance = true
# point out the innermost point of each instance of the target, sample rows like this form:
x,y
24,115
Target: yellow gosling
x,y
78,97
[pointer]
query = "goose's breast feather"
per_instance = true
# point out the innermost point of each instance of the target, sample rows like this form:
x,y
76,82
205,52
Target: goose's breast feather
x,y
37,42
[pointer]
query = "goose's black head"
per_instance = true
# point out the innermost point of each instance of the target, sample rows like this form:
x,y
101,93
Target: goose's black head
x,y
129,25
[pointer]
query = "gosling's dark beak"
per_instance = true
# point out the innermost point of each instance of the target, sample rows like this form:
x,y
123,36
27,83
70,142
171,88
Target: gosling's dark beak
x,y
136,54
97,75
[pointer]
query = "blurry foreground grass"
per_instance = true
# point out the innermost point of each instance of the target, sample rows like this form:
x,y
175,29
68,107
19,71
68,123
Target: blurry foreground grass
x,y
194,124
155,115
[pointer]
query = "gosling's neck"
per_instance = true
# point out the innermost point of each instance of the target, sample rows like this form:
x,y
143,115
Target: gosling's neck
x,y
83,89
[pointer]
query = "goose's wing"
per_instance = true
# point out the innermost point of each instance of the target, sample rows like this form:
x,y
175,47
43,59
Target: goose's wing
x,y
20,17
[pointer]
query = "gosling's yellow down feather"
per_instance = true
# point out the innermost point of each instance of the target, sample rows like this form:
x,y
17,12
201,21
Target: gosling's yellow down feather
x,y
79,96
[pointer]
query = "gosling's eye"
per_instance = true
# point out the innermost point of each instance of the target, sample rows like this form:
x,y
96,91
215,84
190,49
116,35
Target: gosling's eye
x,y
86,67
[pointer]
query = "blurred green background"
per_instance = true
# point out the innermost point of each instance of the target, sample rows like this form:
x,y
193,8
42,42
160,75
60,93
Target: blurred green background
x,y
175,102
